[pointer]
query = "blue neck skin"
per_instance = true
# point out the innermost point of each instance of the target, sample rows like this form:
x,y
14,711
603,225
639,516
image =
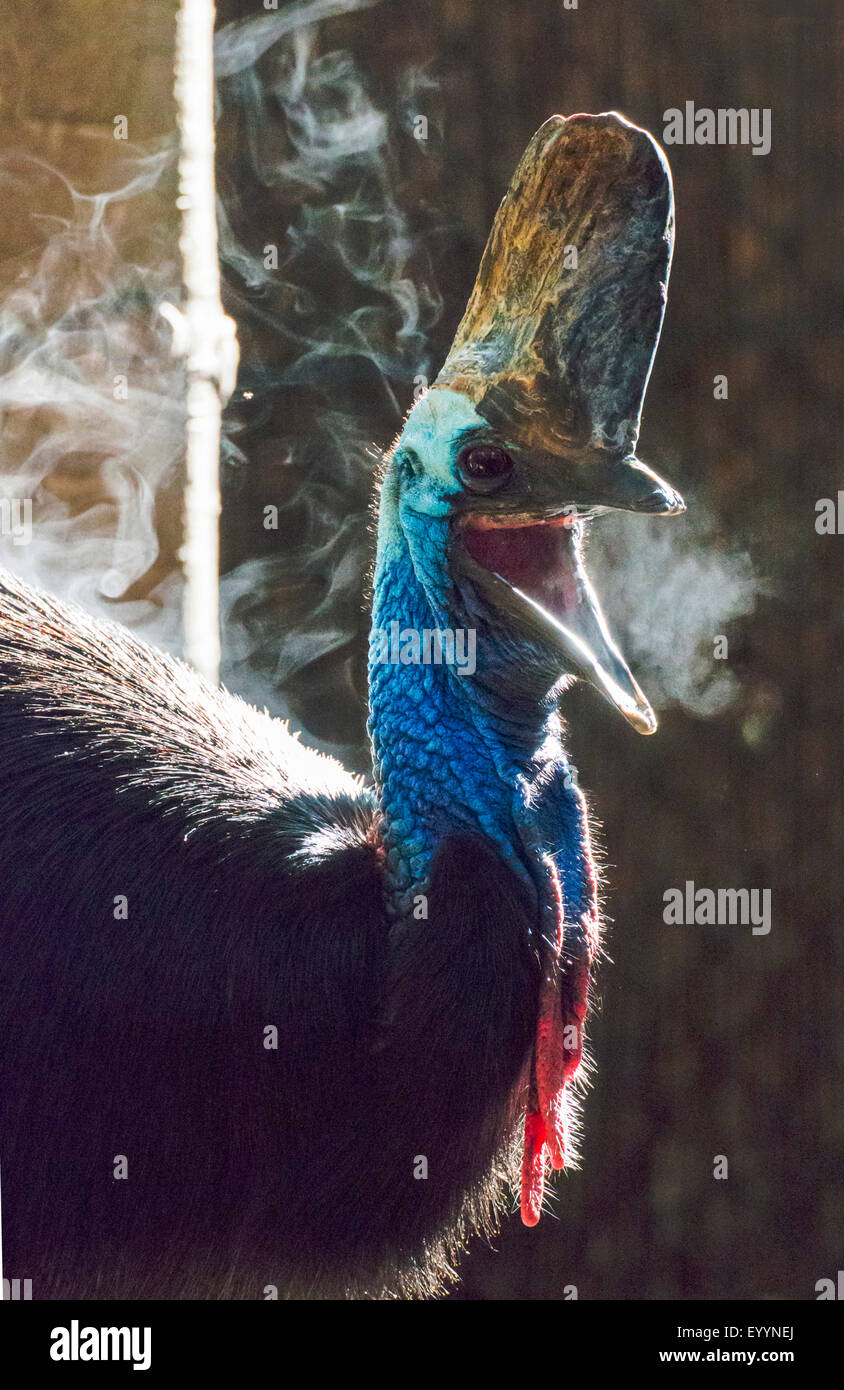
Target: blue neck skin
x,y
453,754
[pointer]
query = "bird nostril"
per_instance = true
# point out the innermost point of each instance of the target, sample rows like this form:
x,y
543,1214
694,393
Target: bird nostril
x,y
662,501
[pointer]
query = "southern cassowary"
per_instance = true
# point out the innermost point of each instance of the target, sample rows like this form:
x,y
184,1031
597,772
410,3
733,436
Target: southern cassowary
x,y
309,1049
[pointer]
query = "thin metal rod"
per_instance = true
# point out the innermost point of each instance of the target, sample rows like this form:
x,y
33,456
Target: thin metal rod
x,y
211,345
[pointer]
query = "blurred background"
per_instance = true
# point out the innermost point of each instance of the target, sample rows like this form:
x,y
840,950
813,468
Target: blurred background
x,y
362,150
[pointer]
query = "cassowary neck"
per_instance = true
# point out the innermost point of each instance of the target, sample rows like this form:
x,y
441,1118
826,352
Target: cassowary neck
x,y
452,753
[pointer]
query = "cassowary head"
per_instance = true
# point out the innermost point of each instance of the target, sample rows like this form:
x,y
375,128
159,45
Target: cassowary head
x,y
531,425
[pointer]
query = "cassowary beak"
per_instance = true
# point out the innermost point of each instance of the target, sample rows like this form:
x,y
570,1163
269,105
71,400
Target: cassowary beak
x,y
534,574
554,354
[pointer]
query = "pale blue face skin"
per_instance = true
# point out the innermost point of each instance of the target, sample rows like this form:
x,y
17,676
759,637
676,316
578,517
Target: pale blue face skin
x,y
418,496
434,423
434,432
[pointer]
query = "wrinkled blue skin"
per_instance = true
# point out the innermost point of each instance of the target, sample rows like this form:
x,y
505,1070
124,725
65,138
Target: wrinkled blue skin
x,y
483,752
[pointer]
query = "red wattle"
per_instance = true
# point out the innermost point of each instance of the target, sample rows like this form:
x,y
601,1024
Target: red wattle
x,y
533,1168
558,1049
550,1067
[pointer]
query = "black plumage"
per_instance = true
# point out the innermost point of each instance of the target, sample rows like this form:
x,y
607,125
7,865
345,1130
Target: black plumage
x,y
249,866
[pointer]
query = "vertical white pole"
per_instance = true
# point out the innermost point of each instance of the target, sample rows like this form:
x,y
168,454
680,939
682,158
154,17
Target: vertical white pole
x,y
210,335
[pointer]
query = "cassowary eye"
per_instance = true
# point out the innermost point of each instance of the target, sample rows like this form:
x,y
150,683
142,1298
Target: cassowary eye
x,y
484,467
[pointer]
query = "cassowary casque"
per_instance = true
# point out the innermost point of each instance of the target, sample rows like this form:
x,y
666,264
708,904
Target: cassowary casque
x,y
331,1017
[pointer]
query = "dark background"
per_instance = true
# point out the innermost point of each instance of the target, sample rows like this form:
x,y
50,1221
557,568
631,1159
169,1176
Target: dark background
x,y
709,1040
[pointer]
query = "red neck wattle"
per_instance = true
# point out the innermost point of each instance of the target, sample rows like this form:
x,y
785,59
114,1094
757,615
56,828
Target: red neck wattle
x,y
557,1055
